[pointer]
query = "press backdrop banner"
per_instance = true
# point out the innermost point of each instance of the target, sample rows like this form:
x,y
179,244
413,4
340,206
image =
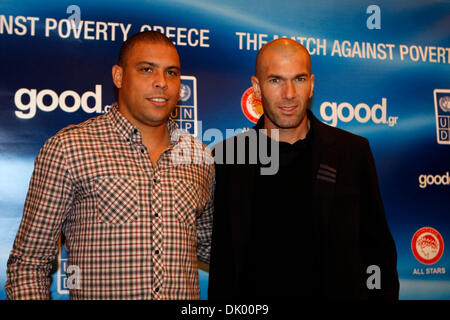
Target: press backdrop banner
x,y
381,71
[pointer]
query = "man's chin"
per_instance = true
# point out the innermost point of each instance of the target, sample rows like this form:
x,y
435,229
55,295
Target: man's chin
x,y
156,122
288,124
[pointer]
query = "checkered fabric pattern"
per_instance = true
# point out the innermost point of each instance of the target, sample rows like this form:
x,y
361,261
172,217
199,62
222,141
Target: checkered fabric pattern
x,y
133,229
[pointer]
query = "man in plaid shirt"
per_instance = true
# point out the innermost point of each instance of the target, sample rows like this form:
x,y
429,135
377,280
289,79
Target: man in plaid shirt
x,y
130,191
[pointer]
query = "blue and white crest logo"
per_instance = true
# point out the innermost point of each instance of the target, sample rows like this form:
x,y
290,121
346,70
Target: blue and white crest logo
x,y
442,109
185,113
185,92
444,103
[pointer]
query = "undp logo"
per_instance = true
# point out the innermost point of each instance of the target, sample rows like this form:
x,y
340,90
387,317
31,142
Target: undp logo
x,y
442,110
185,92
63,258
185,113
444,103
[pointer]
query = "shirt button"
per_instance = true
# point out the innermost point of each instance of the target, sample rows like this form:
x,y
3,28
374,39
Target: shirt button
x,y
143,150
156,289
156,251
135,131
156,215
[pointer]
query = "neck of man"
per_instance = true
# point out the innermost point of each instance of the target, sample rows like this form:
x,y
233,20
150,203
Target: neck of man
x,y
155,137
289,135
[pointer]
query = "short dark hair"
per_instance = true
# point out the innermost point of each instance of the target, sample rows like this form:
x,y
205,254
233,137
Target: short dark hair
x,y
147,36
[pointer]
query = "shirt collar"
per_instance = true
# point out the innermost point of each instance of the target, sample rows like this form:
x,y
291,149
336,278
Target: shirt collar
x,y
132,133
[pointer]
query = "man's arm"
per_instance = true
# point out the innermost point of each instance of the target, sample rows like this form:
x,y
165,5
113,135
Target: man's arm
x,y
48,201
377,243
205,221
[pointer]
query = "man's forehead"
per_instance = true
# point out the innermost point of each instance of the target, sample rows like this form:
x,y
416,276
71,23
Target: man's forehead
x,y
157,50
295,61
284,47
283,51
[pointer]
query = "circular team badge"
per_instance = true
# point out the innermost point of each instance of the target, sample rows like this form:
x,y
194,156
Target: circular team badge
x,y
427,245
251,106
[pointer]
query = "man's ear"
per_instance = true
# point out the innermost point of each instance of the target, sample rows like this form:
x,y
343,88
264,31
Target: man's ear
x,y
312,86
256,87
117,74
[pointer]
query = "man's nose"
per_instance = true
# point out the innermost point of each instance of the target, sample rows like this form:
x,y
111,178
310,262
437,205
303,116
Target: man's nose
x,y
160,81
289,90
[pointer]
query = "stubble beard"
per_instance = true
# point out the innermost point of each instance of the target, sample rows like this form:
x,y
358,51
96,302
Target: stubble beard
x,y
289,122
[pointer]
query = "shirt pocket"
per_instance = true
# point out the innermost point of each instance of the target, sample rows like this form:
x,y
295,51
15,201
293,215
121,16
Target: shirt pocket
x,y
116,200
186,202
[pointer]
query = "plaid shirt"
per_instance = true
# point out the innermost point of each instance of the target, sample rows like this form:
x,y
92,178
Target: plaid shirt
x,y
133,229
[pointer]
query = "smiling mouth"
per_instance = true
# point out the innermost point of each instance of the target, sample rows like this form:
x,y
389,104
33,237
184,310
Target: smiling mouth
x,y
158,99
290,108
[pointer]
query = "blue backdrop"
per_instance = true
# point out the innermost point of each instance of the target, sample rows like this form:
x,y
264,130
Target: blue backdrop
x,y
380,71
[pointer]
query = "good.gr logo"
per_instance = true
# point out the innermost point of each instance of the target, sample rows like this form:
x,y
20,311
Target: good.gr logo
x,y
331,112
48,100
428,180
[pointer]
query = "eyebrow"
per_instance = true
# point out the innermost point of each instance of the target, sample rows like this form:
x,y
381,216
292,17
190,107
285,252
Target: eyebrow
x,y
296,76
152,64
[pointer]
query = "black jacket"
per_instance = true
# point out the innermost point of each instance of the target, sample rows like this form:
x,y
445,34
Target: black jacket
x,y
348,215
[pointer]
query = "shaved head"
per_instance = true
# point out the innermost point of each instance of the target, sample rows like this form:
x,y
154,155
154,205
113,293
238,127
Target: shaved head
x,y
282,47
284,83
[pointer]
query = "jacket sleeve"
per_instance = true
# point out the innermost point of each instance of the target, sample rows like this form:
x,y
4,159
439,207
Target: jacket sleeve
x,y
221,268
48,201
377,244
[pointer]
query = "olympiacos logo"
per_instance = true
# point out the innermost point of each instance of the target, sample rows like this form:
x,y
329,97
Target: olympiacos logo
x,y
427,245
251,105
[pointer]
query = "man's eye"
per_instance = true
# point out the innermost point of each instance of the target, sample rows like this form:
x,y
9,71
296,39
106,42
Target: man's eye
x,y
146,69
301,79
172,73
274,80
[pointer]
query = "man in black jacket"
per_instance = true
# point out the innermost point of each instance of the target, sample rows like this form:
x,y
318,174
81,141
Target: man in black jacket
x,y
314,229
